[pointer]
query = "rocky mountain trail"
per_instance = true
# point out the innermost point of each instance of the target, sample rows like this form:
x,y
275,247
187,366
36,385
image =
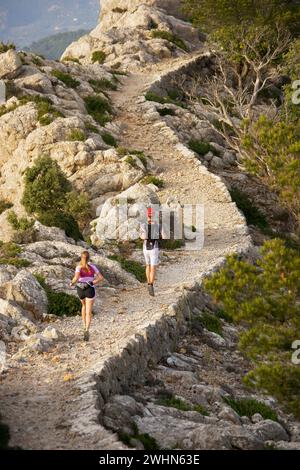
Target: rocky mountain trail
x,y
43,380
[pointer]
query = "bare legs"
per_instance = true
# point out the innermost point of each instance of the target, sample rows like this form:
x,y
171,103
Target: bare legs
x,y
87,312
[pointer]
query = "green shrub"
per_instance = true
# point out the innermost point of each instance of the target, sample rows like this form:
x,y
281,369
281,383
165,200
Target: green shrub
x,y
77,135
91,128
99,57
210,322
109,139
6,47
181,405
264,297
102,84
55,218
59,303
99,108
150,96
249,407
166,112
66,78
63,304
133,267
9,255
200,147
131,161
46,111
45,186
252,214
71,59
173,38
4,205
23,227
79,206
150,179
149,443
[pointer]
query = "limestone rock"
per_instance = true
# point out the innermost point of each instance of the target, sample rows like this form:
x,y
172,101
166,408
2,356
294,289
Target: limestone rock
x,y
25,290
269,430
10,64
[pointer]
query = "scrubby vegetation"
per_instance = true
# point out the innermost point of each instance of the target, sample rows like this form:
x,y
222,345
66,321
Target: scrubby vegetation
x,y
181,405
9,254
60,303
48,196
98,57
264,298
169,36
253,215
109,139
150,179
133,267
99,108
66,78
6,47
149,443
77,135
102,84
202,148
249,407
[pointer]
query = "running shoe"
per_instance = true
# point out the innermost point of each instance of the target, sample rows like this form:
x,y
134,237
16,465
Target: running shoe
x,y
151,290
86,335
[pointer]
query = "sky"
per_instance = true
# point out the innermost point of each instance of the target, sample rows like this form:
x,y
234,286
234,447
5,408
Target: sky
x,y
25,21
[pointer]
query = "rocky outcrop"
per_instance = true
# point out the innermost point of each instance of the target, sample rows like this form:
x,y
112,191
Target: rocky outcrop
x,y
128,34
10,64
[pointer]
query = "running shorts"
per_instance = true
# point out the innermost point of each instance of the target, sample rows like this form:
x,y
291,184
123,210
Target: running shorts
x,y
151,257
87,292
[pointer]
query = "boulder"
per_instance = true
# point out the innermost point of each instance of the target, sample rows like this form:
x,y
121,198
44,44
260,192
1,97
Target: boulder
x,y
10,64
26,291
51,333
269,430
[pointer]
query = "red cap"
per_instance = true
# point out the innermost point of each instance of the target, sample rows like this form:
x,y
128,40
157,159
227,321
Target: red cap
x,y
150,211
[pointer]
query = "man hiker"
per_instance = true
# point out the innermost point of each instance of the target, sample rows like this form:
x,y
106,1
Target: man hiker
x,y
151,233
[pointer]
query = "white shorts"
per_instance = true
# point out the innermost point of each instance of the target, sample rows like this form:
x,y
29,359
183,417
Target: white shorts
x,y
151,257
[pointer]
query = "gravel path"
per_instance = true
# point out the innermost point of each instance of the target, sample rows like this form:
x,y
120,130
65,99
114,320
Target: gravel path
x,y
39,398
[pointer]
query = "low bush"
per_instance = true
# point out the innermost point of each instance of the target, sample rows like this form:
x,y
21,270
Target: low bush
x,y
252,214
77,135
46,111
150,179
6,47
55,218
9,254
133,267
99,108
102,84
173,38
66,78
109,139
210,322
60,303
98,57
200,147
249,407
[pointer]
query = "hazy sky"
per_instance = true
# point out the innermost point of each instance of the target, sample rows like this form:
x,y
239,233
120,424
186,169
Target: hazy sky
x,y
24,21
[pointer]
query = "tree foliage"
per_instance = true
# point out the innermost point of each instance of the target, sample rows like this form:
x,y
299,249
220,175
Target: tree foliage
x,y
48,195
265,298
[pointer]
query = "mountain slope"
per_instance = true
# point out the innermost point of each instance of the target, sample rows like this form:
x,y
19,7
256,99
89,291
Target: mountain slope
x,y
25,21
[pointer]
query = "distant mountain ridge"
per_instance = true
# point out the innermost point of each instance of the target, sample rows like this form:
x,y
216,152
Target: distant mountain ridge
x,y
25,21
52,47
